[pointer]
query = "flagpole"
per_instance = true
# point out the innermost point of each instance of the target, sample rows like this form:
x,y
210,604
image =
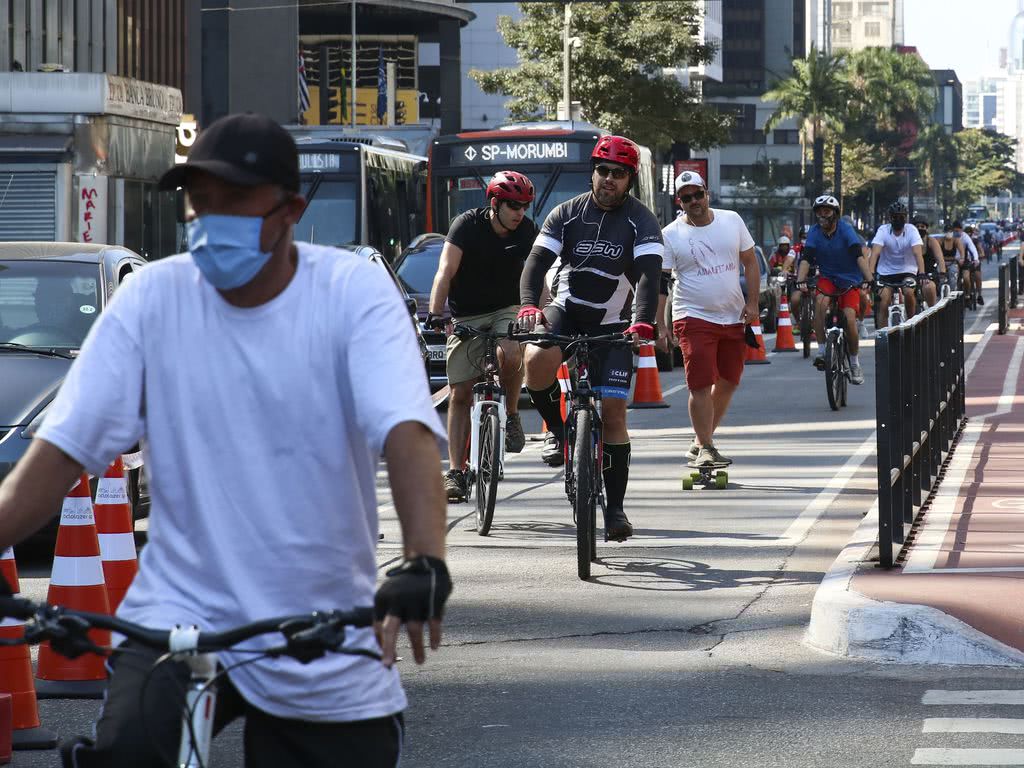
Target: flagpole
x,y
353,63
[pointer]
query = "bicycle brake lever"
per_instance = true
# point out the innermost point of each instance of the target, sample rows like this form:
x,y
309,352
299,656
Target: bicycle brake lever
x,y
305,643
68,636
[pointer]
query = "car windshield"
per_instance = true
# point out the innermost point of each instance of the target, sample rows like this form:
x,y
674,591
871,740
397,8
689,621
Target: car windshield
x,y
418,267
465,192
330,218
47,304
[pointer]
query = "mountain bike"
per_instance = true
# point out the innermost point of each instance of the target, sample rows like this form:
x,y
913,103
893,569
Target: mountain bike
x,y
897,308
306,637
486,429
584,441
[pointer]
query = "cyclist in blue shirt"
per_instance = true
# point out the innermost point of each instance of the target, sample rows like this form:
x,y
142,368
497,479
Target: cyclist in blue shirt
x,y
835,248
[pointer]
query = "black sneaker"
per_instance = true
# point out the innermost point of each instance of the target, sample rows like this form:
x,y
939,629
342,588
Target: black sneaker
x,y
981,301
819,363
515,438
616,525
455,485
551,454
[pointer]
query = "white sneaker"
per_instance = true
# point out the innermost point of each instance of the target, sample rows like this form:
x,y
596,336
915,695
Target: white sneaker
x,y
856,374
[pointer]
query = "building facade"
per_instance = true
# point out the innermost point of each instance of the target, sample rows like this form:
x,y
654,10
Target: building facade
x,y
852,25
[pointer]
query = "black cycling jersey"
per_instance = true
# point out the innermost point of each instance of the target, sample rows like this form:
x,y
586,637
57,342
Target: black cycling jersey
x,y
930,264
949,255
602,256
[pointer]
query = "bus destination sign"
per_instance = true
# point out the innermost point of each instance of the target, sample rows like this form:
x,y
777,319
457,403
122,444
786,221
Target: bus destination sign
x,y
512,153
319,161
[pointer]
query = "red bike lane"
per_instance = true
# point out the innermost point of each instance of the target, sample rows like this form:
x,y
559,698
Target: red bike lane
x,y
967,556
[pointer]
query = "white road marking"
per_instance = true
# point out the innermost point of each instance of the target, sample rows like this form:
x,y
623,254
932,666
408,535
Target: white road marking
x,y
673,390
973,725
999,696
940,756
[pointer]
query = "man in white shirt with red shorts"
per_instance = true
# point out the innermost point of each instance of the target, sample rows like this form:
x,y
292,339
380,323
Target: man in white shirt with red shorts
x,y
706,247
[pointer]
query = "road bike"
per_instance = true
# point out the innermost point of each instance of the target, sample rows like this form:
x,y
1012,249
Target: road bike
x,y
584,441
306,637
487,421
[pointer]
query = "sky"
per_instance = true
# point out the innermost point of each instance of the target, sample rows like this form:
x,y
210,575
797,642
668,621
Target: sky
x,y
965,36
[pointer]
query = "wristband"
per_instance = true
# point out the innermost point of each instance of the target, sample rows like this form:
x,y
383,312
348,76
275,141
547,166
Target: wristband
x,y
645,331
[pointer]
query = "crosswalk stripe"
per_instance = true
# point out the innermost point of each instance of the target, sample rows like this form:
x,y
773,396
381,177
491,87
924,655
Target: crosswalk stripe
x,y
939,756
938,698
973,725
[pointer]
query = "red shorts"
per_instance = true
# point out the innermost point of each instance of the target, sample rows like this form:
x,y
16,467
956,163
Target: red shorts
x,y
849,300
710,351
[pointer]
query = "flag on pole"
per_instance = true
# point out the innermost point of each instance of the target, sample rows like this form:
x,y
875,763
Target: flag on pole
x,y
382,86
304,87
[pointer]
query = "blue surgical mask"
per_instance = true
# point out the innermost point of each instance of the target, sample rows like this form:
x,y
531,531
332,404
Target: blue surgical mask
x,y
227,248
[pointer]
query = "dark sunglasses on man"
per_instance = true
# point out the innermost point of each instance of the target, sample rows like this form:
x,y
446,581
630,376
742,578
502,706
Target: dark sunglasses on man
x,y
516,206
698,195
616,173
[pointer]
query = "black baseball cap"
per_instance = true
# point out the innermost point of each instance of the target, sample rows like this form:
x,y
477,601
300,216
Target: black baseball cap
x,y
244,149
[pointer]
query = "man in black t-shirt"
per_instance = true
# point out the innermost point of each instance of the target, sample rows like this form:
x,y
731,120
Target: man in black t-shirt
x,y
478,275
607,245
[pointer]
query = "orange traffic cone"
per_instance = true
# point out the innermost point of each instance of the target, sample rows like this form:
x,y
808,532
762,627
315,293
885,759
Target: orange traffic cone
x,y
647,392
76,582
16,674
757,356
784,341
565,384
115,527
6,727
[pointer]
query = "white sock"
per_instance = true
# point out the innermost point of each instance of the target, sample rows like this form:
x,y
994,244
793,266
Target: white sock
x,y
854,360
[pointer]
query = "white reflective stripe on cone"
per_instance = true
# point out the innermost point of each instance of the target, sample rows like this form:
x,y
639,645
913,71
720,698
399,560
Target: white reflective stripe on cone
x,y
111,490
7,554
77,571
757,330
77,510
117,546
11,622
784,321
648,361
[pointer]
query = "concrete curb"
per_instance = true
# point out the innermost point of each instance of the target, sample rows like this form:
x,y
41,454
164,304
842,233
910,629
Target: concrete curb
x,y
846,623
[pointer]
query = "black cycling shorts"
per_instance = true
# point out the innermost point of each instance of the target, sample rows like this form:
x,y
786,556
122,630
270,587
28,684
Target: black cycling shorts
x,y
611,368
896,280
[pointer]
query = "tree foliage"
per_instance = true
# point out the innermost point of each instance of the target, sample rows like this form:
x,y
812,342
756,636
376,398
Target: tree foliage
x,y
617,71
988,158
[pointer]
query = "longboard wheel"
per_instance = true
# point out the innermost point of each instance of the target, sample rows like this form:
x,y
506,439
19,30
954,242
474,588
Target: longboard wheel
x,y
721,481
687,483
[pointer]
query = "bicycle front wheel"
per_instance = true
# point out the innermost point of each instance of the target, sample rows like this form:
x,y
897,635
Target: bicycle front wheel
x,y
833,374
583,461
805,324
489,469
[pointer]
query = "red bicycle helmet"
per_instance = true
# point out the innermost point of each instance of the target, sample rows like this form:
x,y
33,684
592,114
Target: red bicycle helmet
x,y
618,149
510,185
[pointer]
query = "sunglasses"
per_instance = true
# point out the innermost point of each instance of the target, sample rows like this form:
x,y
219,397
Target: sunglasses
x,y
616,173
513,205
700,194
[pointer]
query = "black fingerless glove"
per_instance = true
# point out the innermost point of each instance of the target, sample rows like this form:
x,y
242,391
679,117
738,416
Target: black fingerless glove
x,y
414,591
437,322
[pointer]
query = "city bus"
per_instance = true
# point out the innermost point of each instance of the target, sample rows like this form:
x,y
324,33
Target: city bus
x,y
555,155
361,191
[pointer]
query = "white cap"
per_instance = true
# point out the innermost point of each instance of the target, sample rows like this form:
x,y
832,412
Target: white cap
x,y
689,179
784,240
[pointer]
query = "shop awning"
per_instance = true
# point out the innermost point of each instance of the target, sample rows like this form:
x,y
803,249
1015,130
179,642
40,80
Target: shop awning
x,y
34,145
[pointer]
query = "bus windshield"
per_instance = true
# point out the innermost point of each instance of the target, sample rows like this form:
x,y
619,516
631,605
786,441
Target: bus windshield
x,y
330,218
465,192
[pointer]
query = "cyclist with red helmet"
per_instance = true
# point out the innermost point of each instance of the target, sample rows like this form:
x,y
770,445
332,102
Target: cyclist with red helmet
x,y
478,275
607,245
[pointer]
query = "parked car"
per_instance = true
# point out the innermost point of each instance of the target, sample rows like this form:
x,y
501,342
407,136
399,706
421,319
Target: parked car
x,y
768,300
50,295
416,267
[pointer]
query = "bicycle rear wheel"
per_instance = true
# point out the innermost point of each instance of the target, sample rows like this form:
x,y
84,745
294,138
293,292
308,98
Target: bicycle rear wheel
x,y
844,367
583,460
489,469
833,373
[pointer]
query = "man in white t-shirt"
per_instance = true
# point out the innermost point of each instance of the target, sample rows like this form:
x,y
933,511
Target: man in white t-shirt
x,y
706,248
264,378
897,253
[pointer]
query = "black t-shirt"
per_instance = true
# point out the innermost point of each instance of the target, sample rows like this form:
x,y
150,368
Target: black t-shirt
x,y
488,275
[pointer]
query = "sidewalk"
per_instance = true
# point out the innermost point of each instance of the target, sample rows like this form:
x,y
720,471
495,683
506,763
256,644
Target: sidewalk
x,y
959,597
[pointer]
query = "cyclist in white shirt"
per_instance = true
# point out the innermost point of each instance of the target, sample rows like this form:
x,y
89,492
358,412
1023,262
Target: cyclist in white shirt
x,y
897,253
972,260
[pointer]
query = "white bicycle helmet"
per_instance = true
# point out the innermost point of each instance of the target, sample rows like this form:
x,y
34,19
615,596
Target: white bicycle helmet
x,y
826,200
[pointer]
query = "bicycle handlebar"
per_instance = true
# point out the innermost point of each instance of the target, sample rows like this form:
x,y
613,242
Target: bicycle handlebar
x,y
464,331
610,339
307,636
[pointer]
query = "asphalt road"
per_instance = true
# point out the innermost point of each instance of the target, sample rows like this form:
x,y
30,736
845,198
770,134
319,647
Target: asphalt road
x,y
685,647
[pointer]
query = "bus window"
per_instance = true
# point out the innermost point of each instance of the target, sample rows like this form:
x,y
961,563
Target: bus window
x,y
330,218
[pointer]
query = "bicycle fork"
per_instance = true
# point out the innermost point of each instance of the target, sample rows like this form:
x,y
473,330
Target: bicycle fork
x,y
200,702
474,432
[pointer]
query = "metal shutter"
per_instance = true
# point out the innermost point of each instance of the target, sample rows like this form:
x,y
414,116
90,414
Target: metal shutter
x,y
28,205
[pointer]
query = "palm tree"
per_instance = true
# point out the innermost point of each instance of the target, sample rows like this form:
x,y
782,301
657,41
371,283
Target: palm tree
x,y
892,93
816,94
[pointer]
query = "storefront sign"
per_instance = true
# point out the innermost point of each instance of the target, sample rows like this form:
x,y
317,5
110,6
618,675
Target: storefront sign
x,y
135,98
187,132
92,209
512,153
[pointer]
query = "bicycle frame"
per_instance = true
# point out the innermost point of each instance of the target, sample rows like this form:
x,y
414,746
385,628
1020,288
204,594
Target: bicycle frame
x,y
201,702
487,393
581,396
